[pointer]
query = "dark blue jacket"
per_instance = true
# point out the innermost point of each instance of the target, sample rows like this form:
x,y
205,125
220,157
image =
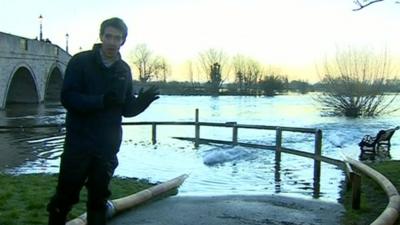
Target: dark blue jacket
x,y
92,127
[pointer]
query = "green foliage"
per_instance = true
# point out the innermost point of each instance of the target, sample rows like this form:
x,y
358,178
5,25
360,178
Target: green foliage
x,y
273,84
196,88
23,198
299,86
215,79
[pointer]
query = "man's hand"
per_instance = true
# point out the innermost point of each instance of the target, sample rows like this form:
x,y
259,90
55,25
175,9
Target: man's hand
x,y
148,96
138,104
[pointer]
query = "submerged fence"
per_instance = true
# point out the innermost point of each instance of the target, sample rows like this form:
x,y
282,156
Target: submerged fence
x,y
390,214
278,147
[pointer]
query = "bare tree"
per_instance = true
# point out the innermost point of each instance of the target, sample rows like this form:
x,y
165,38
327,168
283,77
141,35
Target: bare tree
x,y
159,68
190,71
148,65
189,65
364,3
239,68
141,59
247,73
165,69
213,63
252,74
354,83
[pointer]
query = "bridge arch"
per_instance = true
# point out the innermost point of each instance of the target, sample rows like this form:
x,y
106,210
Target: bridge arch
x,y
22,86
30,69
53,84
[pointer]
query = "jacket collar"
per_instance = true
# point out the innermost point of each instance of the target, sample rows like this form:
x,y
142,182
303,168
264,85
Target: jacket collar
x,y
98,57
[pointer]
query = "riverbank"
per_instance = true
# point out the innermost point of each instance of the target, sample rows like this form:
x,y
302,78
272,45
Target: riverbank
x,y
23,200
373,198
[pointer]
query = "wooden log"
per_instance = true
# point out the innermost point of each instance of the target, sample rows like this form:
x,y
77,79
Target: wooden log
x,y
121,204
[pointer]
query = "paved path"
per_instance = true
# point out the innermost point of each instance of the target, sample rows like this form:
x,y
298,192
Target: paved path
x,y
232,210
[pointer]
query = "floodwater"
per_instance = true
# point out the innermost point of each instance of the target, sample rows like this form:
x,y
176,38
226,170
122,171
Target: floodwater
x,y
213,169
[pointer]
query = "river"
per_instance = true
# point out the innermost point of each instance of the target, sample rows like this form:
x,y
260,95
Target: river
x,y
213,169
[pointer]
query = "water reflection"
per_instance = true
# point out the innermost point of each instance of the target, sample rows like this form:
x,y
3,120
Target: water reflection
x,y
32,114
378,156
305,185
20,145
277,175
38,150
215,106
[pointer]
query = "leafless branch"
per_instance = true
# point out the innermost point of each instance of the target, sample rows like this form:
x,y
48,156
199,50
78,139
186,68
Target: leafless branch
x,y
355,83
365,4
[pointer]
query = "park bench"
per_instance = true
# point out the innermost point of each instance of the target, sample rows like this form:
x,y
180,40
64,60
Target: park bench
x,y
380,141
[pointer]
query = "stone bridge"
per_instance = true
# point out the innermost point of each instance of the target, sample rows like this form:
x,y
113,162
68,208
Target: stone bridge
x,y
31,71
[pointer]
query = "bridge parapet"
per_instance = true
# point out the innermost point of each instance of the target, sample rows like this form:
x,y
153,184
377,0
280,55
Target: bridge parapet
x,y
15,46
29,69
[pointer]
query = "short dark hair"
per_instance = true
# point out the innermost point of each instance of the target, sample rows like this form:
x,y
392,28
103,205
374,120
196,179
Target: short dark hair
x,y
117,23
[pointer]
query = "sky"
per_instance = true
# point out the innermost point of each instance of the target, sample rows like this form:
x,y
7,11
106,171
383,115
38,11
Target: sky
x,y
293,35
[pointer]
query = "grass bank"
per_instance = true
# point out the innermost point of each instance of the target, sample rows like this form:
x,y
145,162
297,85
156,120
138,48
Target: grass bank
x,y
373,198
23,198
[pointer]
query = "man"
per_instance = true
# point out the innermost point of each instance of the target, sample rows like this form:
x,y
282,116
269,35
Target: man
x,y
97,92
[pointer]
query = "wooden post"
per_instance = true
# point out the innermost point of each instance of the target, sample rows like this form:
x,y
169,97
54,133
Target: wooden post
x,y
317,162
154,133
356,190
234,133
197,129
277,177
278,144
278,153
348,170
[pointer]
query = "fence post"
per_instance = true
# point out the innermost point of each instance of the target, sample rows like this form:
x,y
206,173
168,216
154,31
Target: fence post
x,y
317,161
278,143
278,146
153,133
197,129
277,176
356,190
234,133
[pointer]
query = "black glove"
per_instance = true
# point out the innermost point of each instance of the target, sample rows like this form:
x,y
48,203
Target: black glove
x,y
110,100
145,98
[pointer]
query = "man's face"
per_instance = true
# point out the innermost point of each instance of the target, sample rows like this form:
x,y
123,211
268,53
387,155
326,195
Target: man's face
x,y
112,40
